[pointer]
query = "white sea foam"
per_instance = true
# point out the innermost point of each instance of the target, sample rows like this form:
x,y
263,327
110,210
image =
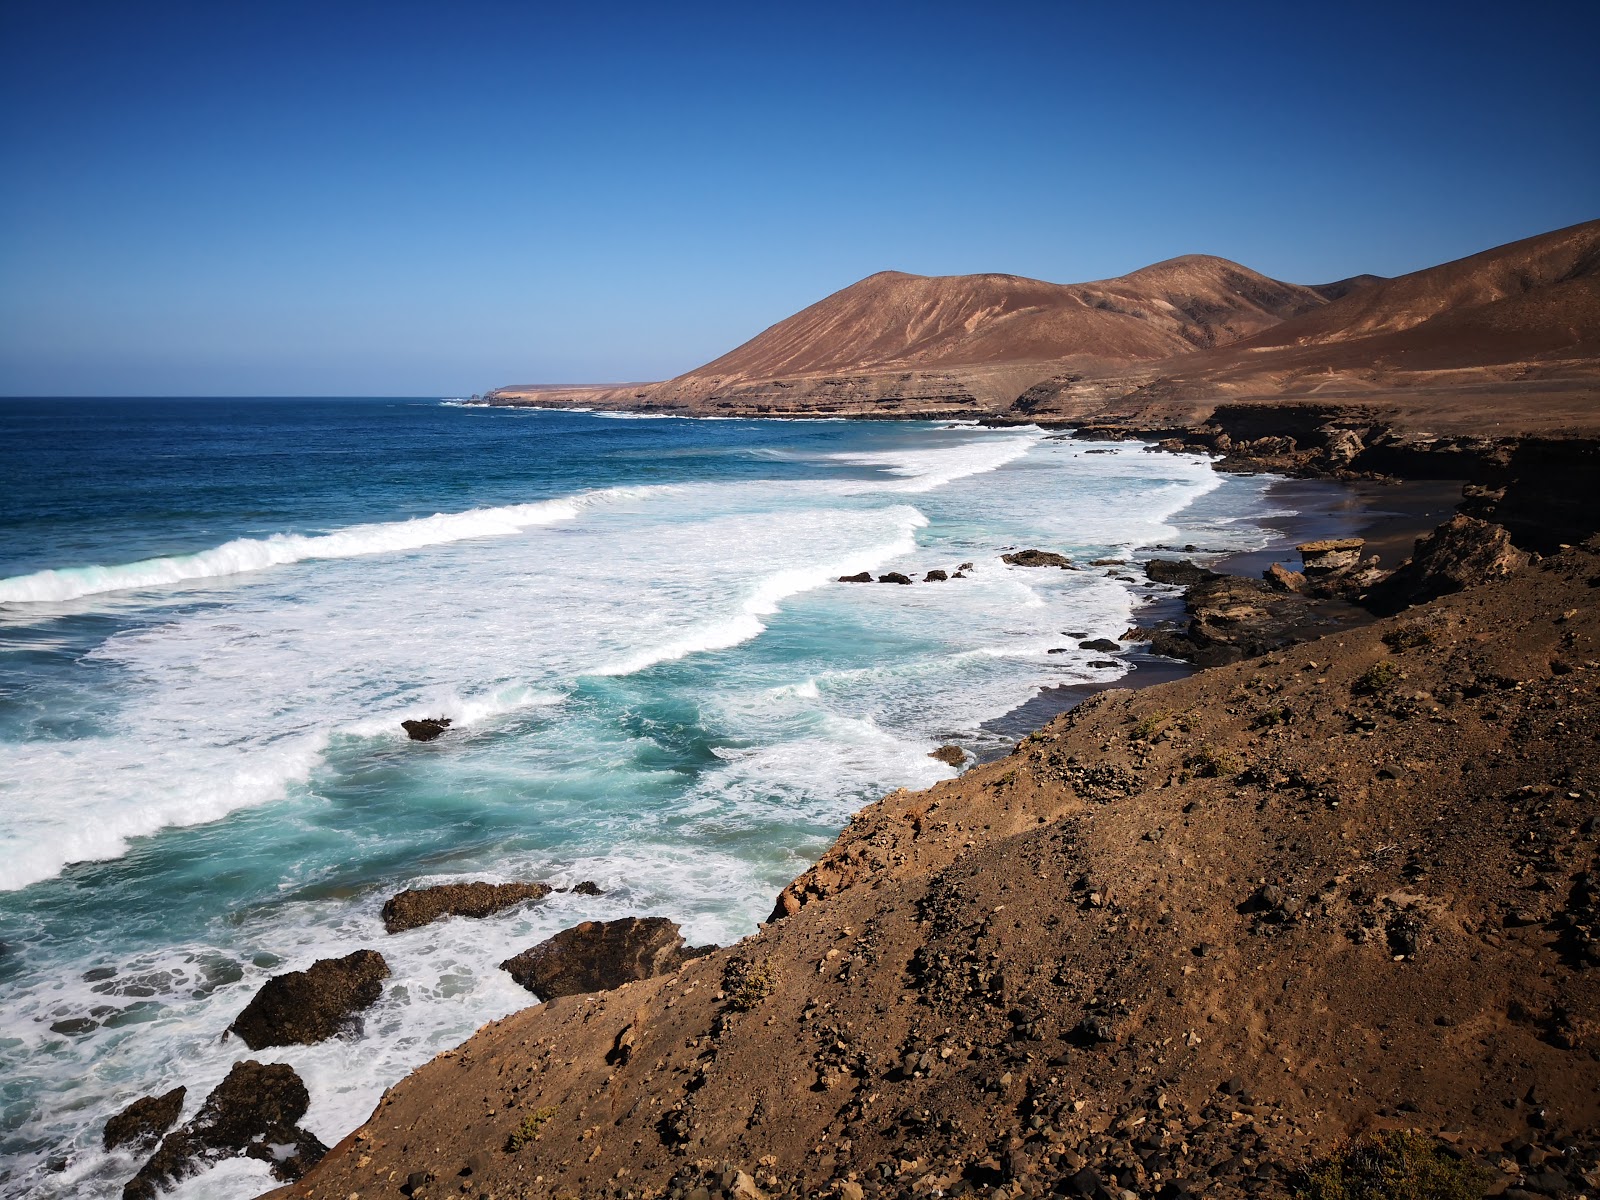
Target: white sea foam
x,y
924,470
764,598
256,554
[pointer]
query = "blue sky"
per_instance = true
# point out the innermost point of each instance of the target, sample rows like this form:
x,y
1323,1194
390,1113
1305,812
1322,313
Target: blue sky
x,y
427,198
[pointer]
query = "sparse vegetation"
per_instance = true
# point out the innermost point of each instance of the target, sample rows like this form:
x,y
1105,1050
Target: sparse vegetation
x,y
1211,763
1399,1165
1379,677
1406,637
528,1130
1277,715
1151,723
746,984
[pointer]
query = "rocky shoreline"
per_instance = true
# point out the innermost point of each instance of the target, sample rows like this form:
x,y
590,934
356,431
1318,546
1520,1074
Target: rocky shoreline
x,y
1185,940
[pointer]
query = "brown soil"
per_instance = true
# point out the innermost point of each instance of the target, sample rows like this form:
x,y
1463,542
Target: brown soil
x,y
1182,940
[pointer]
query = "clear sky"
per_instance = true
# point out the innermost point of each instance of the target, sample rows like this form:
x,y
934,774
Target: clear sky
x,y
398,198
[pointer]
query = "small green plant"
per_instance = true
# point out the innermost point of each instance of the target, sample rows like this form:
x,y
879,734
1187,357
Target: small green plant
x,y
1278,715
528,1130
746,984
1151,723
1379,677
1405,637
1399,1165
1211,763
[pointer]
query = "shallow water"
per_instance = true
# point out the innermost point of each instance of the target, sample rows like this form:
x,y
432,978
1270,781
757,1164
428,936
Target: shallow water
x,y
214,615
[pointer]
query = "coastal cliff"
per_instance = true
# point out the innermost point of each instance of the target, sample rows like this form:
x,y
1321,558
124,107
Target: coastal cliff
x,y
1183,940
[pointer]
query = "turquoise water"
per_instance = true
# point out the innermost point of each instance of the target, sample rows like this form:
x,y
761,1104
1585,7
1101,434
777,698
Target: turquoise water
x,y
215,614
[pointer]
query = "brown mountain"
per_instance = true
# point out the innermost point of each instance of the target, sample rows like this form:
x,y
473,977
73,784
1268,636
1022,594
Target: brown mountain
x,y
965,341
1508,335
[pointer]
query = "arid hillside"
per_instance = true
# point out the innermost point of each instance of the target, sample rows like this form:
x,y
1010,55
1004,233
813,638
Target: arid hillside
x,y
1182,942
964,341
1508,338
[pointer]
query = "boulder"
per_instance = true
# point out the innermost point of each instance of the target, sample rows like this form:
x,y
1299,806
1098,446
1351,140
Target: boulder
x,y
1037,558
303,1007
1330,555
587,888
1100,645
426,729
1462,552
1283,579
141,1124
597,956
894,577
935,577
863,577
419,906
954,755
254,1112
1178,572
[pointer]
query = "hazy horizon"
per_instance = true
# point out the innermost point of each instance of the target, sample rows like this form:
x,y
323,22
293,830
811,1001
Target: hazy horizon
x,y
286,200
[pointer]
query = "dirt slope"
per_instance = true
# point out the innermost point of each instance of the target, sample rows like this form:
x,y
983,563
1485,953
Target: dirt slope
x,y
1180,941
1509,338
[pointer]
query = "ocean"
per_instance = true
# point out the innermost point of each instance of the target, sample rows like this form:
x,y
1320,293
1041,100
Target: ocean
x,y
214,615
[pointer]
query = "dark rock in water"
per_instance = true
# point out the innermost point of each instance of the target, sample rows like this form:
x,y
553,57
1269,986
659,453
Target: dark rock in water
x,y
1059,650
254,1112
597,956
1178,572
964,567
1102,663
954,755
1037,558
935,577
142,1123
863,577
74,1026
894,577
1458,554
303,1007
1100,645
587,888
419,906
426,729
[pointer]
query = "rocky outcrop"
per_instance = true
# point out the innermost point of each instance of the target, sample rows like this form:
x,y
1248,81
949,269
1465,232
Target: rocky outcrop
x,y
255,1112
1176,572
425,729
859,577
1233,618
304,1007
1330,556
420,906
894,577
141,1124
953,755
1461,553
1100,646
935,576
1037,558
597,956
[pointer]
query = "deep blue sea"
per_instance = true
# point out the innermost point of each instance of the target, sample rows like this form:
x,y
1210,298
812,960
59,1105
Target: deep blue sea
x,y
214,615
